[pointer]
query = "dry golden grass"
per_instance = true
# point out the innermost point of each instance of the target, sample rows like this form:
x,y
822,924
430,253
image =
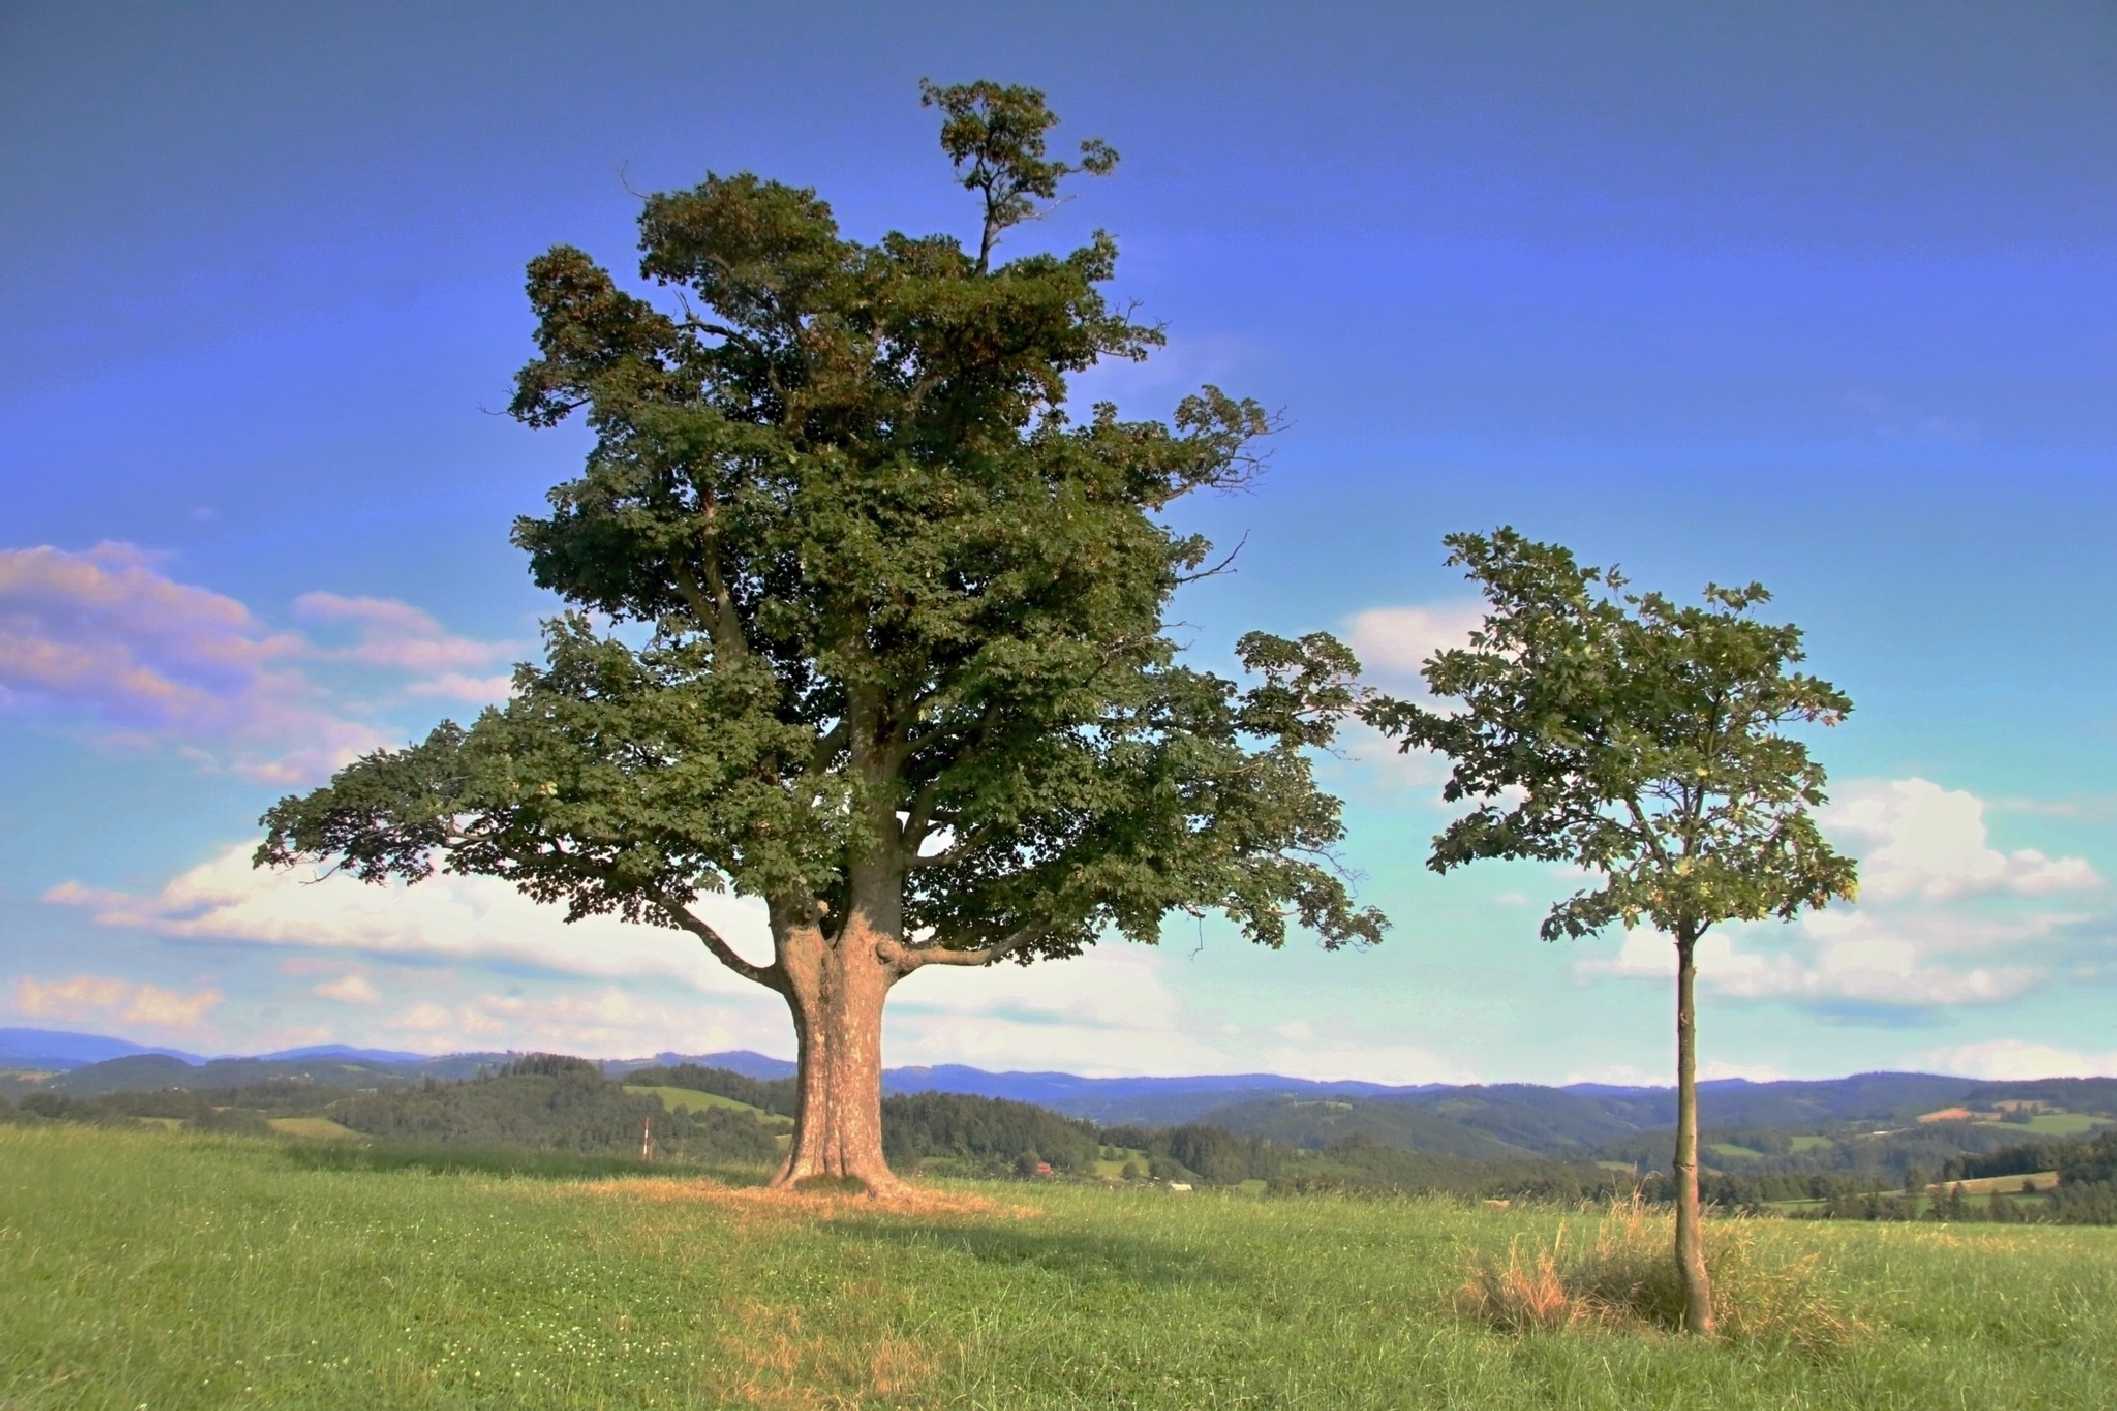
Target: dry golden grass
x,y
788,1366
765,1203
1622,1276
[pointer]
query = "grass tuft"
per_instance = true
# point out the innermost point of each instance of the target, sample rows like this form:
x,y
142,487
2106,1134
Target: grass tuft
x,y
1623,1278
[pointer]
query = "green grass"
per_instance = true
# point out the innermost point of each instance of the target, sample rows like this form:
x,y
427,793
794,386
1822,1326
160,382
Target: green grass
x,y
1808,1141
1109,1169
691,1100
180,1270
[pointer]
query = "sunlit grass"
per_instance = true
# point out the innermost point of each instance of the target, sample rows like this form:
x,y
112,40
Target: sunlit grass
x,y
185,1270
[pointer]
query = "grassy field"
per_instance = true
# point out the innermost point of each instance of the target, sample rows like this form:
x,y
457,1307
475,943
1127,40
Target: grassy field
x,y
176,1269
1109,1168
691,1100
1733,1149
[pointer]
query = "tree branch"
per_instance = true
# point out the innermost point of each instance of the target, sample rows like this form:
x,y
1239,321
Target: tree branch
x,y
910,958
769,976
1223,566
1646,829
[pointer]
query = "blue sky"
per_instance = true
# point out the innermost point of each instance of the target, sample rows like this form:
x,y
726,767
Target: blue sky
x,y
1814,294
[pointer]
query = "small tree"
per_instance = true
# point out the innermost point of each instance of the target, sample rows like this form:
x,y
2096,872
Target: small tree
x,y
1643,741
868,626
1131,1171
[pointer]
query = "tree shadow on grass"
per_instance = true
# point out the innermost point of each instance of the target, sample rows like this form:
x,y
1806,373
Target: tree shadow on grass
x,y
388,1159
1084,1259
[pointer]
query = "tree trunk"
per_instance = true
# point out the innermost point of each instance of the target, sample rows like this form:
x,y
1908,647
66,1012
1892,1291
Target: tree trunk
x,y
1690,1238
836,991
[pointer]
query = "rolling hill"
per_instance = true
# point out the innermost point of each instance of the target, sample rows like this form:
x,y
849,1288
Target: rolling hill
x,y
1489,1121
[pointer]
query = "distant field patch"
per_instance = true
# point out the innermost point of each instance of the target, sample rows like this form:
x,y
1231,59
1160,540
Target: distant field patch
x,y
1113,1168
314,1128
1952,1114
691,1100
1984,1185
1808,1142
1733,1149
2054,1124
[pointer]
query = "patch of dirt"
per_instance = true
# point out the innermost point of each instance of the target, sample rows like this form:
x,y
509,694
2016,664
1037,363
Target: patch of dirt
x,y
789,1204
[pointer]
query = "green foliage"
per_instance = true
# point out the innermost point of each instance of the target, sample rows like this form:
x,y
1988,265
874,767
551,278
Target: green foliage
x,y
1632,736
863,618
553,1104
988,1134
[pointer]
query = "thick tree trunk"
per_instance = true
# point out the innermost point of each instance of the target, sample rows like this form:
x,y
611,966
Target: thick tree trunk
x,y
835,992
1690,1238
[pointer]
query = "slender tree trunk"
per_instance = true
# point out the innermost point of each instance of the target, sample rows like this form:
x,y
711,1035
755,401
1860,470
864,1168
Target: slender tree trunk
x,y
835,991
1690,1238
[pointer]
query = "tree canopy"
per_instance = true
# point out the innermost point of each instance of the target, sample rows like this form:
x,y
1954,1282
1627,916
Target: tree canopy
x,y
865,619
1640,739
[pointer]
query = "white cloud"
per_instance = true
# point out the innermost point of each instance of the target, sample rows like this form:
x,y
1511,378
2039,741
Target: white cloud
x,y
1919,936
1423,771
447,917
103,998
2010,1059
349,988
1918,840
1852,957
1396,641
455,685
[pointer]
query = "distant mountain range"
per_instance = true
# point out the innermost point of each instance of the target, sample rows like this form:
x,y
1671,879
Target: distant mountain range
x,y
1495,1120
57,1049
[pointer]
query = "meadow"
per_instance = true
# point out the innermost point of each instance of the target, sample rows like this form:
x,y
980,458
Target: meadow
x,y
172,1269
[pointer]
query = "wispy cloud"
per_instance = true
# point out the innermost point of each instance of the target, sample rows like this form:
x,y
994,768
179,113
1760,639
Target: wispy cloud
x,y
394,634
2007,1059
105,638
104,998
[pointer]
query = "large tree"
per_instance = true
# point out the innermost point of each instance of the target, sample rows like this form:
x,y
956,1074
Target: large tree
x,y
1645,742
865,626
